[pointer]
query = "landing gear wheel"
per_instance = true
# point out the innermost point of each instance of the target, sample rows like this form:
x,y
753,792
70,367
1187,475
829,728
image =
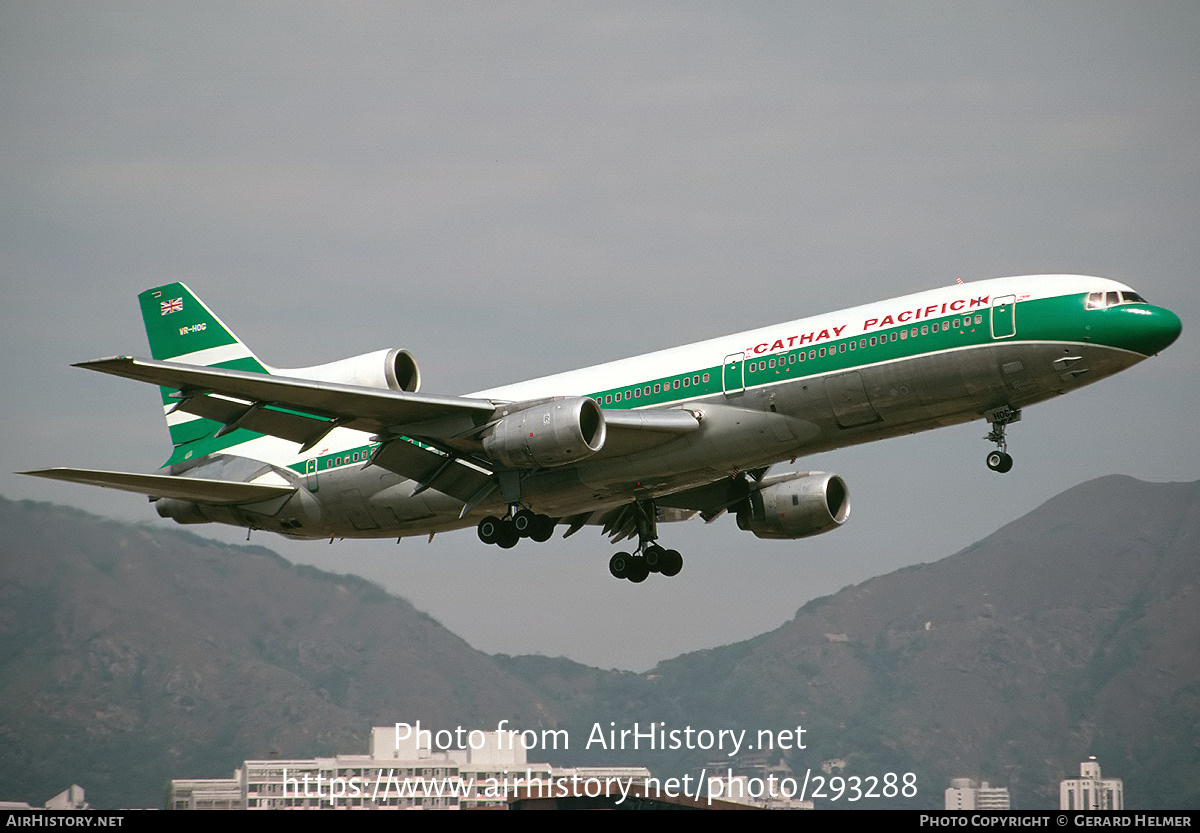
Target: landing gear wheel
x,y
524,523
1000,461
508,537
654,555
672,563
489,529
618,565
543,528
637,570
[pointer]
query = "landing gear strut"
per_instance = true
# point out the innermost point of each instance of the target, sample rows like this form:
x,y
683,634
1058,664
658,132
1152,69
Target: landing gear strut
x,y
649,556
1000,460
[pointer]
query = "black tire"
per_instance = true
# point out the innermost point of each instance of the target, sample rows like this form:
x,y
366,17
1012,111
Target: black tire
x,y
637,571
672,563
654,555
995,459
524,522
489,529
508,535
618,565
1005,464
543,528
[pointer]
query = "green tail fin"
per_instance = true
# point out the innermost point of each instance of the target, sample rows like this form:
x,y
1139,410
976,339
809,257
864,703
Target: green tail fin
x,y
181,328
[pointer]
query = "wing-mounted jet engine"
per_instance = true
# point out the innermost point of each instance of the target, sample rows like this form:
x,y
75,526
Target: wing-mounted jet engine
x,y
552,433
796,505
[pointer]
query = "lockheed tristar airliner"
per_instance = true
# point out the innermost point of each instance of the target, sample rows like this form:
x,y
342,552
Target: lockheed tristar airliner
x,y
353,449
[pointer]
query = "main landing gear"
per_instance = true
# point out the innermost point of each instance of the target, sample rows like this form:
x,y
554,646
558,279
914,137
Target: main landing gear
x,y
1000,460
637,566
649,556
522,523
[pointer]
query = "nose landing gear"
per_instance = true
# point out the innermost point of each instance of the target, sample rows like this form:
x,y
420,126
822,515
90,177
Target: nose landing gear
x,y
1000,460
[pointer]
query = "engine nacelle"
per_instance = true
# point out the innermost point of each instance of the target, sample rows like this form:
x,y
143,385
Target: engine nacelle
x,y
393,369
797,505
552,433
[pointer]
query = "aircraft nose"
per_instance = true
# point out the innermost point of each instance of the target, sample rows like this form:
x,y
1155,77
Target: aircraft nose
x,y
1166,327
1151,329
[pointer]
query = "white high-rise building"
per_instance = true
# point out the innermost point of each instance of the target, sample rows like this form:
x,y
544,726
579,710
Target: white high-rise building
x,y
1089,791
967,794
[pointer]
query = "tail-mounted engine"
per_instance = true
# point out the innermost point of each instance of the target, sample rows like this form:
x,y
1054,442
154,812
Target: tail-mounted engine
x,y
393,369
552,433
796,505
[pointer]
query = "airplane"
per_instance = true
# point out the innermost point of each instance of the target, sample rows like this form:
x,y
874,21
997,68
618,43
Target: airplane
x,y
353,449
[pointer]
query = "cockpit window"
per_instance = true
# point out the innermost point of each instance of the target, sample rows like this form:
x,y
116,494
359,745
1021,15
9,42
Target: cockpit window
x,y
1103,300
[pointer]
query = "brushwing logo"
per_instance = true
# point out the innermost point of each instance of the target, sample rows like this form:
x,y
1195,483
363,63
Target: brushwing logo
x,y
174,305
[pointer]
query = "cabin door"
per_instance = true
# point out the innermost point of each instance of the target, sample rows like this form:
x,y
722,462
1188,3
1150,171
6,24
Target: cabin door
x,y
733,379
1004,316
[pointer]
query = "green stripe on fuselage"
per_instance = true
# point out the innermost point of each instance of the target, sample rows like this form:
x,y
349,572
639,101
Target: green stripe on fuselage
x,y
1061,318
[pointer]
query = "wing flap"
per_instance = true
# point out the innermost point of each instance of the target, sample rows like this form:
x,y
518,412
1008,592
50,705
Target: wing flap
x,y
288,425
163,485
432,469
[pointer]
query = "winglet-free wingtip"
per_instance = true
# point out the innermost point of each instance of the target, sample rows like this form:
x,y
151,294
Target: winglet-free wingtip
x,y
96,364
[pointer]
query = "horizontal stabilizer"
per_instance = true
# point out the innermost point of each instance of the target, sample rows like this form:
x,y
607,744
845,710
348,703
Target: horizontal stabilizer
x,y
163,485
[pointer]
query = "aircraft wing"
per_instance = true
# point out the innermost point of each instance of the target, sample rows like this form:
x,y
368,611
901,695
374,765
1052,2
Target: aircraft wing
x,y
435,440
165,485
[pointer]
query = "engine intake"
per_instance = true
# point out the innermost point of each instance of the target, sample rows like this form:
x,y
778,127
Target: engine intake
x,y
552,433
796,505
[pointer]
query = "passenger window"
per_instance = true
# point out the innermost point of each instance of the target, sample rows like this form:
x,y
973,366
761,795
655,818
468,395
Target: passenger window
x,y
903,334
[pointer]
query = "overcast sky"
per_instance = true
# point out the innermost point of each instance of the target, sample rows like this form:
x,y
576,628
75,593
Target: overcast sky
x,y
511,190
